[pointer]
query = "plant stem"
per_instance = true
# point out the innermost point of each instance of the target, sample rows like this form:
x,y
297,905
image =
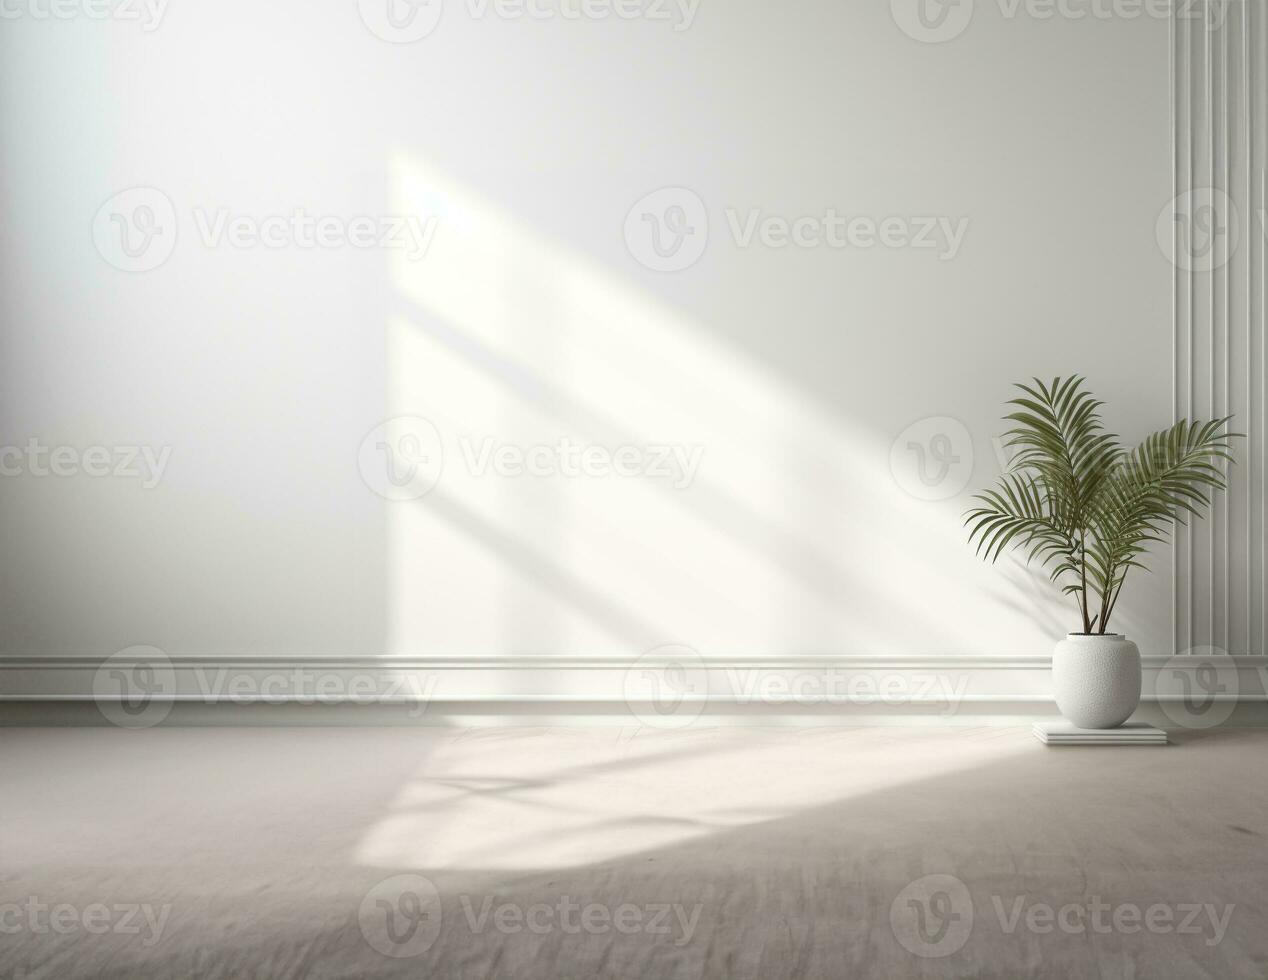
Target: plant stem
x,y
1107,605
1087,624
1113,603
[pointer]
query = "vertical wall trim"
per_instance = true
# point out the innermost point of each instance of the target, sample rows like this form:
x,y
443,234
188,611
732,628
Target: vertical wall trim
x,y
1248,139
1226,112
1173,78
1209,108
1212,138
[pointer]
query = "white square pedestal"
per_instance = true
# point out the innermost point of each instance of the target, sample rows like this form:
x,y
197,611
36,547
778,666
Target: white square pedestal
x,y
1065,733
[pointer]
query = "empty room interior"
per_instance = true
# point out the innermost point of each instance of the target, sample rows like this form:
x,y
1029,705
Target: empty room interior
x,y
633,489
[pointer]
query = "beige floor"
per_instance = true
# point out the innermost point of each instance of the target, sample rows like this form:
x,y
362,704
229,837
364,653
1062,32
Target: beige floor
x,y
603,853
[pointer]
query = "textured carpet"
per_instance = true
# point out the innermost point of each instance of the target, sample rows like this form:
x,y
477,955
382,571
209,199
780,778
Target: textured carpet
x,y
555,854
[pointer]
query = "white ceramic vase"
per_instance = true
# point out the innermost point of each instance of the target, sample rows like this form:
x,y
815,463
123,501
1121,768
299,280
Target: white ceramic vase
x,y
1096,679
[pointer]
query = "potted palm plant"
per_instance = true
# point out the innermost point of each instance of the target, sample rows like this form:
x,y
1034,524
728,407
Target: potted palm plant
x,y
1074,500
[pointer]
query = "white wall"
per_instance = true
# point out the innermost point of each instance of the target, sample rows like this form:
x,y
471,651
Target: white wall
x,y
530,319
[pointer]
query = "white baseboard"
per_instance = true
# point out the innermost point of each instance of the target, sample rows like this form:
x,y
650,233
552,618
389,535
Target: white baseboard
x,y
557,690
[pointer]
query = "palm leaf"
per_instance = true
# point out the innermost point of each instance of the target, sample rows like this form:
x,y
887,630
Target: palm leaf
x,y
1075,501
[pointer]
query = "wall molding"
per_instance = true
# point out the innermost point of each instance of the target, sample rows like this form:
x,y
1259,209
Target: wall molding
x,y
983,662
559,690
1219,103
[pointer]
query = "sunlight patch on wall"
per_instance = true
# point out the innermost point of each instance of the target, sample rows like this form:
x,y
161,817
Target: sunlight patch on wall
x,y
731,513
